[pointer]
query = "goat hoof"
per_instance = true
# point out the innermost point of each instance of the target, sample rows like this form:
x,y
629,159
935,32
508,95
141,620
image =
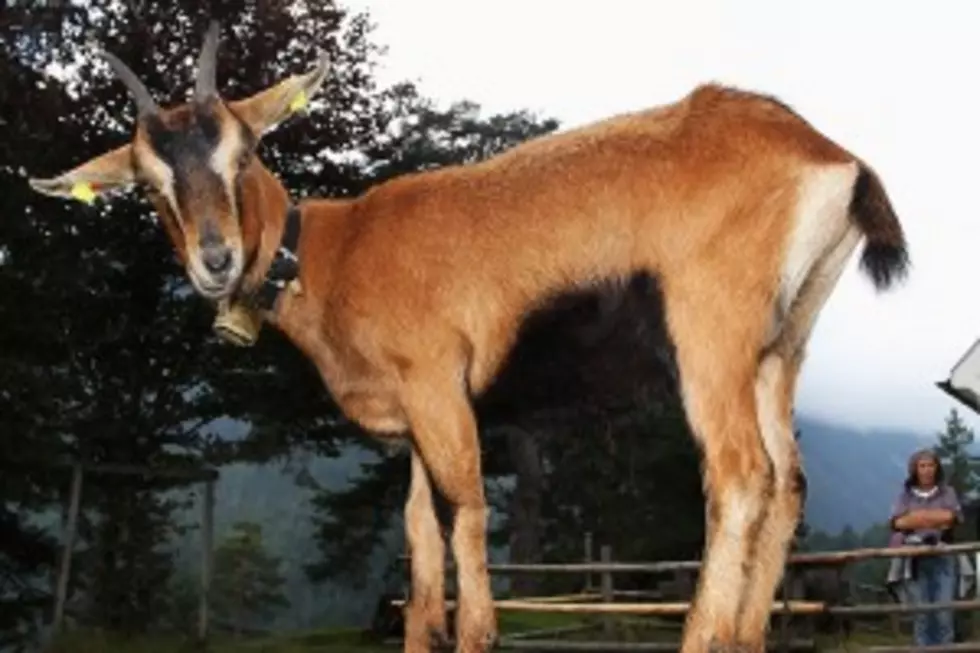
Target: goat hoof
x,y
482,644
439,640
489,641
734,647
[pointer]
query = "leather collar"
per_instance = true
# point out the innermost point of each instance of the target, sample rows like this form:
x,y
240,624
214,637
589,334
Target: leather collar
x,y
284,268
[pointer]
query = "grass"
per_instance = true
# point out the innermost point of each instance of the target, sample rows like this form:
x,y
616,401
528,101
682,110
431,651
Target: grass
x,y
861,641
517,622
352,641
334,641
317,641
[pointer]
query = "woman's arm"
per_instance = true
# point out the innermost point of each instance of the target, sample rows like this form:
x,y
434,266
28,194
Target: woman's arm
x,y
953,505
900,511
940,518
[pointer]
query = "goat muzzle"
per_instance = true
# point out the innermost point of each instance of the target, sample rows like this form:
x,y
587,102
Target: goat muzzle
x,y
237,324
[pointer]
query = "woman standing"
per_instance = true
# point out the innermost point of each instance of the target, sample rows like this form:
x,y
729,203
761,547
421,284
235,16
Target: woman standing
x,y
925,513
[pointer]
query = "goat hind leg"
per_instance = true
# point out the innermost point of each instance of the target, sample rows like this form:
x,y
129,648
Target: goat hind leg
x,y
738,482
774,388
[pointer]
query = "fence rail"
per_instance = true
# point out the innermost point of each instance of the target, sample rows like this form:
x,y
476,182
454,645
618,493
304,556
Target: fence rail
x,y
673,608
611,647
603,601
799,559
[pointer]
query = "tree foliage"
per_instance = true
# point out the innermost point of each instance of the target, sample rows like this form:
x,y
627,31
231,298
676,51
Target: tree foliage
x,y
953,449
106,356
248,583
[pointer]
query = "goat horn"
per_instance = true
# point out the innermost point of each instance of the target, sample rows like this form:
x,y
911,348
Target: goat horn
x,y
145,104
207,62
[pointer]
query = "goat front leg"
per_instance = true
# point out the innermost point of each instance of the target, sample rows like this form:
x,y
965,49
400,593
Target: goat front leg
x,y
445,433
425,614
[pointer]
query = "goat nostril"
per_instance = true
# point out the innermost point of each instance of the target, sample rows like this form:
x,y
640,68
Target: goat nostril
x,y
216,259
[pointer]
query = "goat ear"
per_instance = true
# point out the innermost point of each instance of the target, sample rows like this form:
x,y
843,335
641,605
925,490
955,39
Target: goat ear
x,y
266,109
106,172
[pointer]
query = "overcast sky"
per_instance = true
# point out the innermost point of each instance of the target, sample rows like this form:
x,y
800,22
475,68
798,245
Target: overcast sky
x,y
893,82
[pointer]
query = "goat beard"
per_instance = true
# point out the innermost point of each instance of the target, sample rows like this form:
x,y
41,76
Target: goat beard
x,y
237,324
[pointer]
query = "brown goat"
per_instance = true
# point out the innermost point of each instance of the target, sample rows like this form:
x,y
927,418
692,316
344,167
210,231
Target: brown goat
x,y
408,299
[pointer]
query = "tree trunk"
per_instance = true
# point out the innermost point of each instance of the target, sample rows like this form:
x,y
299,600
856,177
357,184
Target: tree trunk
x,y
525,507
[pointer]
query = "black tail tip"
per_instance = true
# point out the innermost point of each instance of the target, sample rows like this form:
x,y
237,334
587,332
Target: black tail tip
x,y
887,264
885,258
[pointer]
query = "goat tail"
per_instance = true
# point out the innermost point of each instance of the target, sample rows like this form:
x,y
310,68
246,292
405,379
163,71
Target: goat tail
x,y
885,258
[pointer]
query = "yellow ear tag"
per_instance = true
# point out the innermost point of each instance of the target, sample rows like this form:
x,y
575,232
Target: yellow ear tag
x,y
299,101
83,192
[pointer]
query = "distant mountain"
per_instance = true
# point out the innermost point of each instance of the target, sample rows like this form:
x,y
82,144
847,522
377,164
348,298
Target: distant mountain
x,y
853,476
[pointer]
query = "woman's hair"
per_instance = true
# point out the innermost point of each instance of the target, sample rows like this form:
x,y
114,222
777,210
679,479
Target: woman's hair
x,y
912,479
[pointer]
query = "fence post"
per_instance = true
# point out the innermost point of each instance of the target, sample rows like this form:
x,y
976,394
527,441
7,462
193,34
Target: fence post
x,y
784,622
605,555
896,623
66,552
207,545
842,620
589,559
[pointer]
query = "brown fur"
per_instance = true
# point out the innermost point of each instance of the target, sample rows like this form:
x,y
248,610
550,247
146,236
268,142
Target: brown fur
x,y
412,296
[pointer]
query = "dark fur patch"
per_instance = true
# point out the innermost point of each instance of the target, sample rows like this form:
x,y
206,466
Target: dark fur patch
x,y
885,258
800,483
439,640
190,134
586,353
185,140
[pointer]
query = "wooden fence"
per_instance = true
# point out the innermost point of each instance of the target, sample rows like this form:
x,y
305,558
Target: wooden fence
x,y
607,603
204,474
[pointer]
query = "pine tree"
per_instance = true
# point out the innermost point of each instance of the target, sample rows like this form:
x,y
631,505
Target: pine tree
x,y
105,355
802,528
248,583
953,449
848,539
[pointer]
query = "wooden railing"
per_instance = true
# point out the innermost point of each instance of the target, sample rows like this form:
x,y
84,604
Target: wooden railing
x,y
604,599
